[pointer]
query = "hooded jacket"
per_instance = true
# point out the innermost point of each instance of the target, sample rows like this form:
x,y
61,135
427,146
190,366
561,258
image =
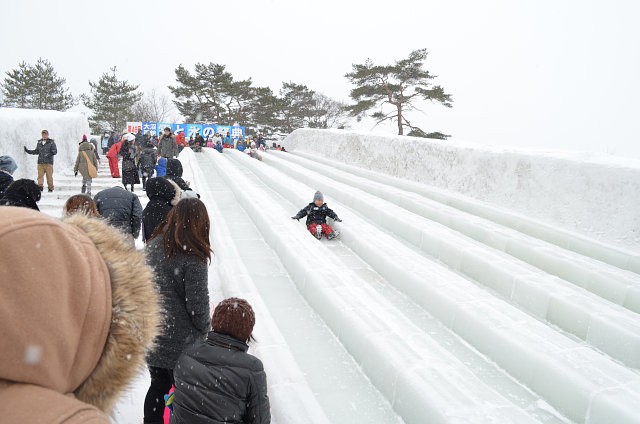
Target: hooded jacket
x,y
161,167
174,173
45,150
315,214
121,208
23,193
163,195
81,161
217,381
85,285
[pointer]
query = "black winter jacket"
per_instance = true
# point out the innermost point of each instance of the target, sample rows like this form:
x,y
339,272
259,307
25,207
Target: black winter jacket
x,y
315,214
161,192
217,382
5,181
148,161
22,193
45,151
174,173
121,208
182,283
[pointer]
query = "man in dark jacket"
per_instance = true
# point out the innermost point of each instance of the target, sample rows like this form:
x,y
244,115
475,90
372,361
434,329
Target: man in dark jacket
x,y
22,193
317,213
7,167
216,380
121,208
46,150
162,197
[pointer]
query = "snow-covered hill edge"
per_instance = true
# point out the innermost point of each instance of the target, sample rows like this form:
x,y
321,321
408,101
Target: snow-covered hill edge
x,y
591,194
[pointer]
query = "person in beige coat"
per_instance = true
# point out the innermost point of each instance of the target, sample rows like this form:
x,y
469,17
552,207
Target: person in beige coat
x,y
86,156
78,312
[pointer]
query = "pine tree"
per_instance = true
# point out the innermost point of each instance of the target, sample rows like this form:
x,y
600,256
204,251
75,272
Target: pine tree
x,y
265,110
297,106
111,101
211,94
399,86
36,87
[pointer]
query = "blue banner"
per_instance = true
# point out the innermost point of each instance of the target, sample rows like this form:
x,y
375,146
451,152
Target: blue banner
x,y
205,130
192,130
150,127
208,130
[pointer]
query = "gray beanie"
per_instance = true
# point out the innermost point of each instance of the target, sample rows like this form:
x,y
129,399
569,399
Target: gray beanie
x,y
8,164
318,196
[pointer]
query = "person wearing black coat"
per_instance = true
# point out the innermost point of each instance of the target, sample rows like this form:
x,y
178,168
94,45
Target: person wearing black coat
x,y
174,173
45,149
147,163
121,208
23,193
216,380
7,167
317,213
179,253
163,195
129,168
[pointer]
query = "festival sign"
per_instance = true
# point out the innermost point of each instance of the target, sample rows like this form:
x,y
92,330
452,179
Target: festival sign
x,y
134,127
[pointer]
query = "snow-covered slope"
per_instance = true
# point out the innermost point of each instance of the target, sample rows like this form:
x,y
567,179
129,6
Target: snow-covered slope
x,y
592,194
22,127
421,312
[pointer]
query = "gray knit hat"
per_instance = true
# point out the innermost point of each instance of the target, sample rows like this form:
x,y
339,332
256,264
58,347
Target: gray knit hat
x,y
8,164
318,196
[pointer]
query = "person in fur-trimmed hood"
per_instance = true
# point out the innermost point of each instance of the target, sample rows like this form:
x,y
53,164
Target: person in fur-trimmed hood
x,y
92,315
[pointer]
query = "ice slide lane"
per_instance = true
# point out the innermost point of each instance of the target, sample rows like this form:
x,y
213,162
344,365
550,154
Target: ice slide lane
x,y
605,280
291,397
604,325
585,385
423,381
311,377
442,347
620,258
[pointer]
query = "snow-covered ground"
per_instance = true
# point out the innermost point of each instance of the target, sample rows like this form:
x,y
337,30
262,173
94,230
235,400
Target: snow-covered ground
x,y
432,306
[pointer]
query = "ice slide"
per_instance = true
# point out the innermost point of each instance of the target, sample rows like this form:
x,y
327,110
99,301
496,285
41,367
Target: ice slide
x,y
421,312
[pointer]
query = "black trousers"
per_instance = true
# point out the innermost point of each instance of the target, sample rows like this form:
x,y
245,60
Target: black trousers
x,y
161,381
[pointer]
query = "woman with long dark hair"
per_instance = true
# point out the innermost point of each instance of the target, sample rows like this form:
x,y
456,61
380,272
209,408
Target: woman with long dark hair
x,y
179,251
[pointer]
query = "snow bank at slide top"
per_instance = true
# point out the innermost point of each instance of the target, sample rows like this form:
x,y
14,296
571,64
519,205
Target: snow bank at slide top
x,y
22,127
591,194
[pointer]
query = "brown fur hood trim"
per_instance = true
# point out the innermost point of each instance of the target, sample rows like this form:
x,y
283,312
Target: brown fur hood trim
x,y
135,314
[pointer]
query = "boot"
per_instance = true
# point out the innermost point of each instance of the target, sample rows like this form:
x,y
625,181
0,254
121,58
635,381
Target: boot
x,y
318,232
331,236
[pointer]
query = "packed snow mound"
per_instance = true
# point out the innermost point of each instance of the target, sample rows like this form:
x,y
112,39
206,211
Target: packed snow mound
x,y
22,127
592,194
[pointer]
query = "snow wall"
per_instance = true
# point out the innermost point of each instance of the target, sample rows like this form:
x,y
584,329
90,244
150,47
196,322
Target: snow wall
x,y
591,194
22,127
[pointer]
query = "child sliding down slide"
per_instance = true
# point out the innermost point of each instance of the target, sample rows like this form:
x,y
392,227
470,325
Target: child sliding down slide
x,y
317,213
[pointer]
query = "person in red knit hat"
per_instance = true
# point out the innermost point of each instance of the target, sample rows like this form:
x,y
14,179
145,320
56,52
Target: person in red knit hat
x,y
216,379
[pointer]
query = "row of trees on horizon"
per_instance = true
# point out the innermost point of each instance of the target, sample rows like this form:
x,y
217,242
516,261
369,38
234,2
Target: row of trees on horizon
x,y
210,94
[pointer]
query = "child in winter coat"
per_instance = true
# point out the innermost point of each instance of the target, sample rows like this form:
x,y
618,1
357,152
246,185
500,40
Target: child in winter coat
x,y
216,380
161,167
317,213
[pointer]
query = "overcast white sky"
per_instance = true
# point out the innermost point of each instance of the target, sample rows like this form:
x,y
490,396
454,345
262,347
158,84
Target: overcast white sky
x,y
540,73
